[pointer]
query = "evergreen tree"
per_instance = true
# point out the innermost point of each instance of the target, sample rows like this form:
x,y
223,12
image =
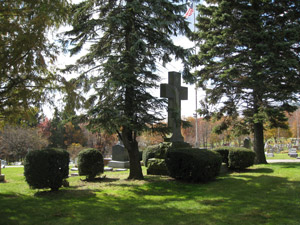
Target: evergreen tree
x,y
25,51
125,40
249,58
57,131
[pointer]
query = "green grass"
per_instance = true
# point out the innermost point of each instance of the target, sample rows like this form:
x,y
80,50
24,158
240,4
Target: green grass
x,y
281,156
263,194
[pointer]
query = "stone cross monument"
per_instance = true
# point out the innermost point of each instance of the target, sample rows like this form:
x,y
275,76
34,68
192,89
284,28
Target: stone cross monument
x,y
175,93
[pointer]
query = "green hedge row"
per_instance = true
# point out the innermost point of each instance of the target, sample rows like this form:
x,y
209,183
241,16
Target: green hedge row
x,y
236,158
155,151
193,165
157,167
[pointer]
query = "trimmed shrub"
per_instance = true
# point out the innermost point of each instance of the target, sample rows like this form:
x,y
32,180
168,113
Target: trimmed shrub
x,y
157,167
156,151
240,158
46,168
223,151
90,163
193,165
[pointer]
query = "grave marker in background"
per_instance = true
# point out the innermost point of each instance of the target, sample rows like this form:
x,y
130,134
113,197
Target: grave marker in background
x,y
2,176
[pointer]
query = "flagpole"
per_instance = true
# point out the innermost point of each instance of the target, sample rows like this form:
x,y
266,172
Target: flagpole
x,y
196,88
191,10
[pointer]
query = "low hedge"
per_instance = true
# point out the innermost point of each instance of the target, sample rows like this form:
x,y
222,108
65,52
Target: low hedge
x,y
157,167
46,168
155,151
236,158
90,163
193,165
240,158
223,151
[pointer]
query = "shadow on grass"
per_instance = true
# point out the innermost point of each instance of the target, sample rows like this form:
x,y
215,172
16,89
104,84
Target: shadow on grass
x,y
239,199
101,180
66,193
287,165
258,170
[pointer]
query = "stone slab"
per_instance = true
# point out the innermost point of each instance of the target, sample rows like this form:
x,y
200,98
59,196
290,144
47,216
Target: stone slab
x,y
108,169
293,155
120,170
119,164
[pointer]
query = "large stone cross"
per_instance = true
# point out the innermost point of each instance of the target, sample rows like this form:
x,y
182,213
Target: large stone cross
x,y
175,93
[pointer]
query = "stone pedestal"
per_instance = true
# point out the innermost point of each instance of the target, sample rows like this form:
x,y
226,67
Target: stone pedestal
x,y
119,164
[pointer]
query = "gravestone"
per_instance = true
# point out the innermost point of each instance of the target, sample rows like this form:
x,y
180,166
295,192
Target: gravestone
x,y
120,158
175,93
293,152
247,143
271,153
2,176
119,153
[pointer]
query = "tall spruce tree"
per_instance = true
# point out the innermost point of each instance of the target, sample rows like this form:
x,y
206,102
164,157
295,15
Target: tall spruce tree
x,y
126,39
26,52
249,58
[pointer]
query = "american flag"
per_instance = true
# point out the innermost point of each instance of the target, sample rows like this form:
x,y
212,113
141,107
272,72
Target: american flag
x,y
190,11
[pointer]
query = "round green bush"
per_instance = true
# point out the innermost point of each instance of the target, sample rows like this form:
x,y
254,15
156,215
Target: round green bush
x,y
90,163
46,168
240,158
193,165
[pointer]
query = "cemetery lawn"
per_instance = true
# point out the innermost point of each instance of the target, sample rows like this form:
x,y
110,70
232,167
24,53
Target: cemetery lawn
x,y
281,156
262,194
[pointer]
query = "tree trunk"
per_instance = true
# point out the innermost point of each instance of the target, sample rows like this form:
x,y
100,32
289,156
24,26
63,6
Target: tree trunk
x,y
259,144
131,145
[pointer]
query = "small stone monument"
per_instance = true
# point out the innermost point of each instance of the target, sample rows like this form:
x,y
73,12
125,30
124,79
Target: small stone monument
x,y
2,176
293,152
270,153
120,158
175,93
247,143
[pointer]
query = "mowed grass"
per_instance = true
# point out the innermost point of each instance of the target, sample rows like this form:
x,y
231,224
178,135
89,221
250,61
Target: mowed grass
x,y
263,194
282,156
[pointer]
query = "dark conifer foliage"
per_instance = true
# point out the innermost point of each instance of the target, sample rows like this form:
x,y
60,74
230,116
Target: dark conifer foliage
x,y
123,42
249,53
